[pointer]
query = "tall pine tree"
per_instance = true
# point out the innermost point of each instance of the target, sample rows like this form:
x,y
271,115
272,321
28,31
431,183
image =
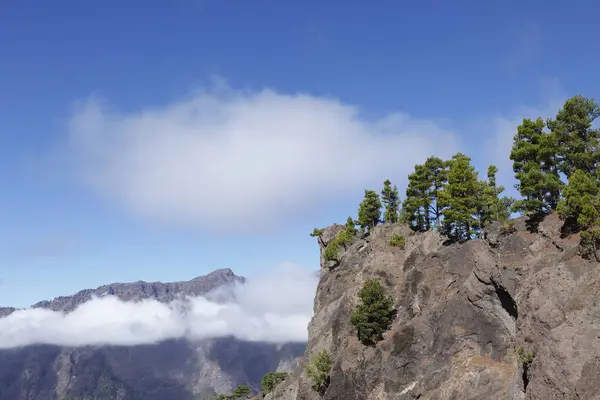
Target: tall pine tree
x,y
535,163
459,198
580,208
578,144
391,201
369,211
421,208
490,207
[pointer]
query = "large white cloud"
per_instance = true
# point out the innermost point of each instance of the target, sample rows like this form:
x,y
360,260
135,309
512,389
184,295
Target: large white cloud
x,y
237,161
275,307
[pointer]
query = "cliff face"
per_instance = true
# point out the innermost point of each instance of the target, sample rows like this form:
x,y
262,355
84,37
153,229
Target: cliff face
x,y
468,317
172,369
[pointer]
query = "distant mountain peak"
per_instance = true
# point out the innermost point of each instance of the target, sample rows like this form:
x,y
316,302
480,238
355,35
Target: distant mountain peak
x,y
139,290
222,272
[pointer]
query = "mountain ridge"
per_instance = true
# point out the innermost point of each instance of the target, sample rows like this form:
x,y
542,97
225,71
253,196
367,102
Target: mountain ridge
x,y
175,368
140,289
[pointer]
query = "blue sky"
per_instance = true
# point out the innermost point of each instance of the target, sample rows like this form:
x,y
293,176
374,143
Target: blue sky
x,y
159,140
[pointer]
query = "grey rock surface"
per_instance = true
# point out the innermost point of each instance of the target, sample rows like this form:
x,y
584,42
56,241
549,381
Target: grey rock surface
x,y
173,369
464,310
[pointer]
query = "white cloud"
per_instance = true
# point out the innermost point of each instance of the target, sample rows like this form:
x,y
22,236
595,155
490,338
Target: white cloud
x,y
235,161
276,307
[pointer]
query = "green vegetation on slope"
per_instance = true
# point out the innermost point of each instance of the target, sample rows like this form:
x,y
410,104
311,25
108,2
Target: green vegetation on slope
x,y
240,392
271,380
318,370
374,313
556,163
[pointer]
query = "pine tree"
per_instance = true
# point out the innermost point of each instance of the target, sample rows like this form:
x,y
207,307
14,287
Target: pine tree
x,y
459,198
391,200
242,391
374,314
580,207
369,211
413,206
535,163
437,176
580,204
421,208
350,226
578,144
318,370
270,380
490,207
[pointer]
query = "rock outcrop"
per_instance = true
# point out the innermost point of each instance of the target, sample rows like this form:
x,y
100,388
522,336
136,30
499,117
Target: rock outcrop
x,y
172,369
513,316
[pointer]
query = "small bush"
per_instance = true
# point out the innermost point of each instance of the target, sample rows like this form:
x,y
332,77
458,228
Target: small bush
x,y
342,239
590,243
508,227
240,392
271,380
317,232
331,251
397,241
524,358
318,371
374,313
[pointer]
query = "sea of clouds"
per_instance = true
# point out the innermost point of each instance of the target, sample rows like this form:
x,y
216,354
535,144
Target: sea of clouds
x,y
274,307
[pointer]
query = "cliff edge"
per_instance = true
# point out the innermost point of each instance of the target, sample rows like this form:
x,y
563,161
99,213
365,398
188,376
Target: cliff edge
x,y
513,316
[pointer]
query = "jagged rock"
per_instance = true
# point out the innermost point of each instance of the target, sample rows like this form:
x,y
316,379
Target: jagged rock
x,y
464,310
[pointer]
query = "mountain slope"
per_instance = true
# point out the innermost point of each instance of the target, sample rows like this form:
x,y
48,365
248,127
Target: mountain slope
x,y
172,369
512,316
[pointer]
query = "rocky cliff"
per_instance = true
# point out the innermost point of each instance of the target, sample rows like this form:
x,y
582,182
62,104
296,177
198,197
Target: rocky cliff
x,y
172,369
513,316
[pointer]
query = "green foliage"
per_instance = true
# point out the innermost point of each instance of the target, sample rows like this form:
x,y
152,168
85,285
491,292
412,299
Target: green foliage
x,y
590,242
525,358
577,143
331,251
374,313
580,202
369,211
490,207
580,207
397,241
317,232
343,238
450,197
270,380
421,209
240,392
350,227
391,201
318,370
535,163
459,198
540,156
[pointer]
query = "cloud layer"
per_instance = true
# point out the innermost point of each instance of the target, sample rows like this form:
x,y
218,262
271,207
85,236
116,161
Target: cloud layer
x,y
235,161
276,307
